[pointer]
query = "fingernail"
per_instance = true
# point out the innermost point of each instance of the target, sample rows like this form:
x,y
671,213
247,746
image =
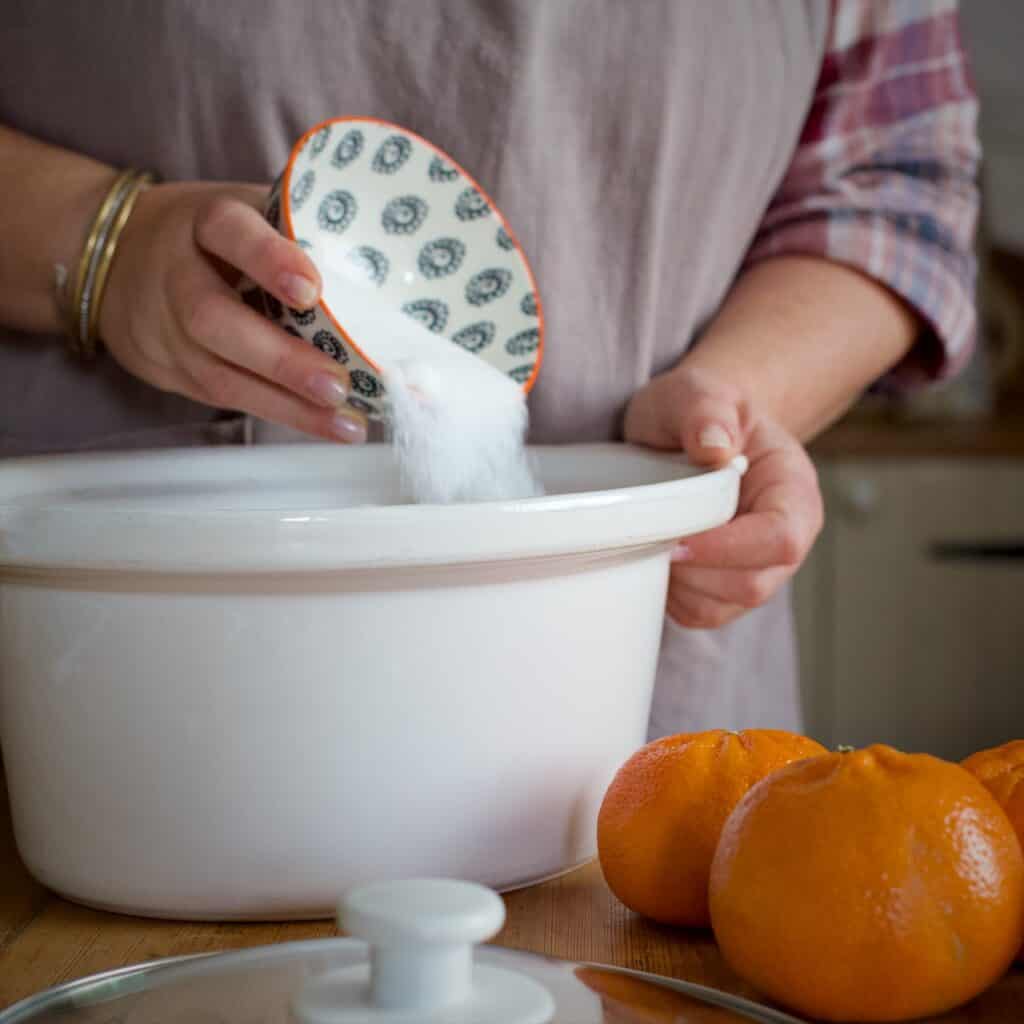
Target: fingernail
x,y
299,291
349,427
714,436
681,553
326,389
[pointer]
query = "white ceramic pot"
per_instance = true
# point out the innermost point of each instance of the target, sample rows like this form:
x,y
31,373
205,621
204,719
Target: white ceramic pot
x,y
235,682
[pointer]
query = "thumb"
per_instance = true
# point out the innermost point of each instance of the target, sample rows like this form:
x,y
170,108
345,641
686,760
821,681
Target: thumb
x,y
711,437
689,410
711,431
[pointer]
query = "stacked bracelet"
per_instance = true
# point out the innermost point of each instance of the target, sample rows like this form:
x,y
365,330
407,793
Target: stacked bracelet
x,y
97,257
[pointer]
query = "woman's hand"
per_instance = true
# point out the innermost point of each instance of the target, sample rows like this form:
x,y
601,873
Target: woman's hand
x,y
721,573
171,315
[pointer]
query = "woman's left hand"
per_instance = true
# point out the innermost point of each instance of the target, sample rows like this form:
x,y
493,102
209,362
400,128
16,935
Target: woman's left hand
x,y
721,573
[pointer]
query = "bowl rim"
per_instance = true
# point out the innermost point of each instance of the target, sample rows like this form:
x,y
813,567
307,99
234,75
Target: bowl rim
x,y
47,524
286,218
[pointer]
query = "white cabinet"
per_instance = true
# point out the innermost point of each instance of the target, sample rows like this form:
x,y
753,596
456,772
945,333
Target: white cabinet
x,y
911,608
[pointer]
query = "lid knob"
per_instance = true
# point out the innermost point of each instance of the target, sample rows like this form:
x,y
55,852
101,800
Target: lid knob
x,y
421,934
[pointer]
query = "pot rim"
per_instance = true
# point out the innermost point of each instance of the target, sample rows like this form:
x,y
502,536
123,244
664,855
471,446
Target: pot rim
x,y
99,512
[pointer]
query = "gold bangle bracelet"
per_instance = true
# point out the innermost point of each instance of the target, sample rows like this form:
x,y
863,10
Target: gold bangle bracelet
x,y
88,252
106,260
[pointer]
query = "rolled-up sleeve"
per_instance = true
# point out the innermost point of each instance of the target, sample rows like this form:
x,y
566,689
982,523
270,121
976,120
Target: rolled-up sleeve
x,y
884,176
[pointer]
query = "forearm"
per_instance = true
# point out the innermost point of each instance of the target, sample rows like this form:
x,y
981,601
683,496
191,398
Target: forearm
x,y
803,338
48,197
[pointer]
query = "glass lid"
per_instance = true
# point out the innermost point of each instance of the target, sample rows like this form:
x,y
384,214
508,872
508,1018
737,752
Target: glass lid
x,y
413,961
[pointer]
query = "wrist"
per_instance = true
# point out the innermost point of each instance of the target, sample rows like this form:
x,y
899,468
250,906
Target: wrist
x,y
48,197
802,337
97,258
141,228
73,219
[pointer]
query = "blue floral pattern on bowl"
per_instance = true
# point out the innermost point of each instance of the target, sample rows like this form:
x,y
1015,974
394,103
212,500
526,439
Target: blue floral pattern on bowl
x,y
488,286
372,262
441,257
442,172
471,205
329,343
337,211
523,343
348,148
476,336
404,215
319,142
394,151
303,317
418,235
365,384
302,189
432,313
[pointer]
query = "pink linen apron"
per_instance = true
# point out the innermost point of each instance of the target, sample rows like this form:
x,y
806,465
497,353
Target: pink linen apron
x,y
634,144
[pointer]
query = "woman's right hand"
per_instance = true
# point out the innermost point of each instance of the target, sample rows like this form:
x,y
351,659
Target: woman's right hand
x,y
172,317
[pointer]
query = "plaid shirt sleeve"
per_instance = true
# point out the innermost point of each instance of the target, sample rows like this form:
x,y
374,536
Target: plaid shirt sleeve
x,y
883,177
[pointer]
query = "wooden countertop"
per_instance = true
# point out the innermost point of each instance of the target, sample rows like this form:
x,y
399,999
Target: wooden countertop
x,y
45,940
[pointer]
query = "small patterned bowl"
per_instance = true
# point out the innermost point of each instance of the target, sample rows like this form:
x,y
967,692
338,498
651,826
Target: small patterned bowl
x,y
421,236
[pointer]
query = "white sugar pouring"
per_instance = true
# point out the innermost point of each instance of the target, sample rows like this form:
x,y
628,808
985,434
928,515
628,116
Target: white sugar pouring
x,y
458,425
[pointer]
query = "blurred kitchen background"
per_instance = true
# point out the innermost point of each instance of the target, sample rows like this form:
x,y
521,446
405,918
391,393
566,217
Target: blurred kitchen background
x,y
911,608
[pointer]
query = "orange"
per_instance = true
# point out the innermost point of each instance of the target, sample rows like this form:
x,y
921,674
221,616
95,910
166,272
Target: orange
x,y
1001,769
661,816
869,886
